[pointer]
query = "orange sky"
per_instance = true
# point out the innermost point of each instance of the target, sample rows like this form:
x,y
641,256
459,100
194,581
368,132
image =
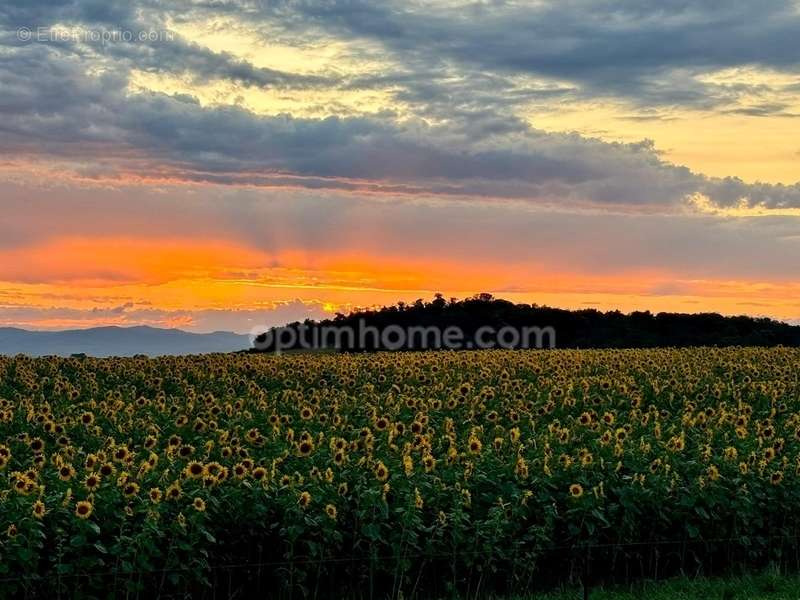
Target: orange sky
x,y
77,282
253,165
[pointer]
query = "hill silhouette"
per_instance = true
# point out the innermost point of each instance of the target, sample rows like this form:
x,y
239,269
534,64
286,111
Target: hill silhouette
x,y
586,328
117,341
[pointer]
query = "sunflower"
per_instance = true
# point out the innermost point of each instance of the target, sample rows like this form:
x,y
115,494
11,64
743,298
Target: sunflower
x,y
199,504
213,468
23,485
66,472
381,472
418,501
475,445
239,471
155,495
330,510
38,509
305,448
576,490
83,509
174,491
521,468
194,470
304,499
429,462
92,481
131,489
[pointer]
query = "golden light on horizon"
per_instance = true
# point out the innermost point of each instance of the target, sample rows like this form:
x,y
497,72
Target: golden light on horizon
x,y
173,278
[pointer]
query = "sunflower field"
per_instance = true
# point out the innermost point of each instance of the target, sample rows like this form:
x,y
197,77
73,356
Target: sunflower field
x,y
393,475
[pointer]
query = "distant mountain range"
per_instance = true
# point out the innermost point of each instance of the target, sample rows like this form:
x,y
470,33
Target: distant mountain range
x,y
118,341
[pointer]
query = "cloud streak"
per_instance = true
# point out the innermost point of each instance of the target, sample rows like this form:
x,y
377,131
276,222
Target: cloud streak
x,y
102,128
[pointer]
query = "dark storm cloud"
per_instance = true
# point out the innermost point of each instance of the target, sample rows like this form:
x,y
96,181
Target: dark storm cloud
x,y
149,133
34,14
645,51
167,52
648,52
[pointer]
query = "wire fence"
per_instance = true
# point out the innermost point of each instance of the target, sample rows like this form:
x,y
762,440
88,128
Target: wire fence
x,y
578,549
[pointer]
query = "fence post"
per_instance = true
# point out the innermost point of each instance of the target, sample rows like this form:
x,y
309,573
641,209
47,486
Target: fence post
x,y
585,578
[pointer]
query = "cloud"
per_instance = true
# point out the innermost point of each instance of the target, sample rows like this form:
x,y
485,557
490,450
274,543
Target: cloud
x,y
223,257
456,57
201,320
101,128
225,229
460,75
648,52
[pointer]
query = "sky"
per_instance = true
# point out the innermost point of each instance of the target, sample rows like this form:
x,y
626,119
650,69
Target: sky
x,y
229,164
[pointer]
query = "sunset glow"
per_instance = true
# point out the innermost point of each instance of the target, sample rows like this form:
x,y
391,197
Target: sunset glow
x,y
263,165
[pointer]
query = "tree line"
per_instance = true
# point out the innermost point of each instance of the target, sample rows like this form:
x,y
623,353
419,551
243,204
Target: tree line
x,y
584,328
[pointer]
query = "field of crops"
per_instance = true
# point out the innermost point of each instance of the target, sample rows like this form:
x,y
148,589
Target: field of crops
x,y
389,474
